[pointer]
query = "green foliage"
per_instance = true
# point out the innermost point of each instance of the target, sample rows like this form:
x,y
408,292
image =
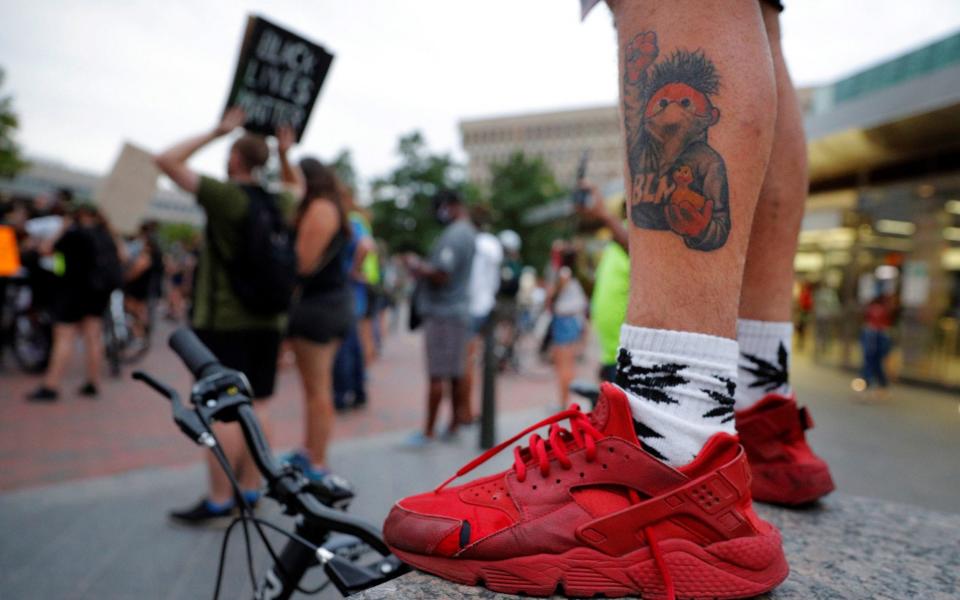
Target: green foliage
x,y
402,205
342,165
11,161
176,232
518,185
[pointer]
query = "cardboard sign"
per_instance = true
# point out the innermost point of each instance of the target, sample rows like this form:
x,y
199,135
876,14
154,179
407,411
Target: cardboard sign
x,y
125,195
278,78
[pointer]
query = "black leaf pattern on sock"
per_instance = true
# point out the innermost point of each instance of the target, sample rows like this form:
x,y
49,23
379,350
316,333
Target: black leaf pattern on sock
x,y
766,374
649,383
724,400
645,432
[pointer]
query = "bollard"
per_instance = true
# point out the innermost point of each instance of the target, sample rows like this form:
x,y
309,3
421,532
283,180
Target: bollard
x,y
488,406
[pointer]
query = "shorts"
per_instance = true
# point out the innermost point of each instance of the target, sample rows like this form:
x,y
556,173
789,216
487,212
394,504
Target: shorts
x,y
75,306
446,341
375,301
253,352
565,330
323,318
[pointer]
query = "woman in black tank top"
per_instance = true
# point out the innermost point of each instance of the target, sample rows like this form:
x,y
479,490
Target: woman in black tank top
x,y
323,312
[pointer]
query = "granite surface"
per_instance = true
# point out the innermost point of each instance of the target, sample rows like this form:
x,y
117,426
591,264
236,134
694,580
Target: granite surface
x,y
846,547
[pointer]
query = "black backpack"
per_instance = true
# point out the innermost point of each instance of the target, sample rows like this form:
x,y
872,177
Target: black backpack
x,y
107,273
263,273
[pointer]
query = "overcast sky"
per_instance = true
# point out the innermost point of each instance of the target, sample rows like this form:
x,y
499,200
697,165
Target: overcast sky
x,y
88,75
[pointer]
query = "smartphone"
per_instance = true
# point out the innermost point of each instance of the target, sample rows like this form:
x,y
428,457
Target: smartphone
x,y
581,197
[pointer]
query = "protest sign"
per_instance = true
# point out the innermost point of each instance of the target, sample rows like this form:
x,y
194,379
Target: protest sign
x,y
278,78
125,195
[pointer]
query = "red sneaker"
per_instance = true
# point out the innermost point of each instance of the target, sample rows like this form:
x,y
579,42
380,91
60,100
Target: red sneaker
x,y
588,512
785,469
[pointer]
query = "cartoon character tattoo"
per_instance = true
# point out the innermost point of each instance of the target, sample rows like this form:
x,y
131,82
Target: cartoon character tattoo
x,y
679,182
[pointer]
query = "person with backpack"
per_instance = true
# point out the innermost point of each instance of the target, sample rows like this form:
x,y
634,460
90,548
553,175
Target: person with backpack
x,y
88,266
244,284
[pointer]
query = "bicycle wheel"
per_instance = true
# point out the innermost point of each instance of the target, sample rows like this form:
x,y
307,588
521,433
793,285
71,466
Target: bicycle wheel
x,y
32,340
137,346
112,345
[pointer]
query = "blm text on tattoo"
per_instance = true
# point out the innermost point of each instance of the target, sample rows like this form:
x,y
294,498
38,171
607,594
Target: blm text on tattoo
x,y
678,182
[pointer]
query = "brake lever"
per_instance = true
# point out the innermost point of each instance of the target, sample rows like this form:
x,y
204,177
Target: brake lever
x,y
158,386
187,420
350,578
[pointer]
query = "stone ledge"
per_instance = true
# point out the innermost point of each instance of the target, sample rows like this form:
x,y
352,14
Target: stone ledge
x,y
847,547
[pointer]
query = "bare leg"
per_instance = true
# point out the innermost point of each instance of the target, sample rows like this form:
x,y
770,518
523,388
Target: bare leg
x,y
464,413
64,337
686,265
699,107
235,448
564,363
231,442
768,276
434,397
92,329
460,400
366,341
315,363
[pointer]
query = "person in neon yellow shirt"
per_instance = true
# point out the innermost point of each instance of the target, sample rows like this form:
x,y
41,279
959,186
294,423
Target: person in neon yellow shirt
x,y
611,290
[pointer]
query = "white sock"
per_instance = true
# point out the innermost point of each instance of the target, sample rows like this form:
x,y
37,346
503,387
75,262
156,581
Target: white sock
x,y
680,386
764,366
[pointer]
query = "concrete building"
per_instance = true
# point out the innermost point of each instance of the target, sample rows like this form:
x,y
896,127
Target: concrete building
x,y
559,138
883,214
43,177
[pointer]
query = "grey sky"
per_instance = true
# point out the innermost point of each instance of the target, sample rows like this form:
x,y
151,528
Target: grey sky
x,y
88,75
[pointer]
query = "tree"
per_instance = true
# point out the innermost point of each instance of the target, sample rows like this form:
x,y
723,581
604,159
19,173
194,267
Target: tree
x,y
11,162
518,185
342,165
403,200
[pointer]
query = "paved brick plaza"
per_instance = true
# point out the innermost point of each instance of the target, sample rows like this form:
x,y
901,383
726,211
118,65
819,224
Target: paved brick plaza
x,y
129,427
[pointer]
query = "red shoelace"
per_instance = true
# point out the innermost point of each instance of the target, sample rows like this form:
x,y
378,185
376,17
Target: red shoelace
x,y
583,435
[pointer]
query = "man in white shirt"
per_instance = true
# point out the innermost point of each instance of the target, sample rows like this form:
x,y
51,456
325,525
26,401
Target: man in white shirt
x,y
484,283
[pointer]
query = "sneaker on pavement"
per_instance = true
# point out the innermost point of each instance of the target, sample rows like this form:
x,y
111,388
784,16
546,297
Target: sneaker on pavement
x,y
204,514
785,469
300,460
588,512
417,440
88,389
43,394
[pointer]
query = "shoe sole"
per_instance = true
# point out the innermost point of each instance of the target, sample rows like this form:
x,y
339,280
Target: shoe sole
x,y
739,568
215,523
790,484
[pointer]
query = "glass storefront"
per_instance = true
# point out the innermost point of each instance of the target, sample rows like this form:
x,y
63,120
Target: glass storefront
x,y
900,241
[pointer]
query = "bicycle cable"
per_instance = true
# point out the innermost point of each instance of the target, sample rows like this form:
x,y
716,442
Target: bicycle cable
x,y
246,514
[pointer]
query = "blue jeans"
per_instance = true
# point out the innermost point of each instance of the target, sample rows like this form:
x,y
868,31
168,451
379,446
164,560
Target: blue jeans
x,y
876,346
349,372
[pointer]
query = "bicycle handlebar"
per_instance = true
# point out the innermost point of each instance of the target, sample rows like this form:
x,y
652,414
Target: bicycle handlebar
x,y
198,358
203,363
306,503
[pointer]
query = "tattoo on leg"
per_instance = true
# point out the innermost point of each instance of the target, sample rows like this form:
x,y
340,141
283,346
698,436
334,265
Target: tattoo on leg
x,y
678,181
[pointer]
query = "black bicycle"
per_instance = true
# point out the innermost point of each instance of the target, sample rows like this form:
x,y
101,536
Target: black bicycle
x,y
25,325
325,535
126,336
